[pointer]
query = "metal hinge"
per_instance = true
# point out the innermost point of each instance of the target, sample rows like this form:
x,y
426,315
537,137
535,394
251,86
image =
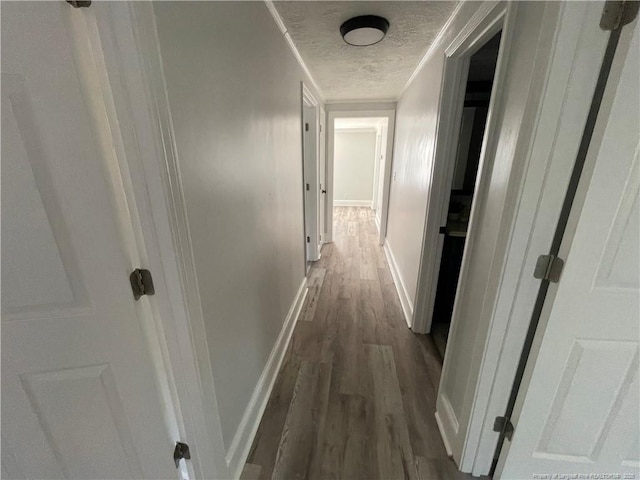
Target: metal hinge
x,y
307,186
503,426
306,127
181,451
548,267
618,13
308,239
141,283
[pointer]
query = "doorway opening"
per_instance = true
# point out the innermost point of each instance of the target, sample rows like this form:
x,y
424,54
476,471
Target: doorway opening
x,y
482,68
359,157
358,167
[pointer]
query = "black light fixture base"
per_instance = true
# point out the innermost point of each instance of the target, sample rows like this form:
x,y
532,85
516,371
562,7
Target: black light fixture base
x,y
79,3
364,21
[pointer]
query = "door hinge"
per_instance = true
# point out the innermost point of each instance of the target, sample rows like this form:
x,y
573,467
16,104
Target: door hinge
x,y
617,13
548,267
308,239
307,186
181,451
141,283
503,426
79,3
306,127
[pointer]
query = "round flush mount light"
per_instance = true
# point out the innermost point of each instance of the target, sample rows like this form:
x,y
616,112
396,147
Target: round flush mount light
x,y
364,30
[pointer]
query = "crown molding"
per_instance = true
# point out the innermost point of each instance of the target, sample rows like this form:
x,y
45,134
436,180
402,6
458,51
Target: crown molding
x,y
283,29
432,48
360,101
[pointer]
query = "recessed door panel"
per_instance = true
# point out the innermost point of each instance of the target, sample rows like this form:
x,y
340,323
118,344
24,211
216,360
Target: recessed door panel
x,y
581,408
79,392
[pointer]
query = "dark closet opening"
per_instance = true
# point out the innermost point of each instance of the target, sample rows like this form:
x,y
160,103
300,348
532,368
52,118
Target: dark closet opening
x,y
472,126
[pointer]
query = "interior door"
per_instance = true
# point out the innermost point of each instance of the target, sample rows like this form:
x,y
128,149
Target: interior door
x,y
382,178
580,412
310,154
375,202
79,392
322,221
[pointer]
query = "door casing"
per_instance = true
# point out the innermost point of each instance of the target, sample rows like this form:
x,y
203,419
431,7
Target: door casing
x,y
123,34
487,23
390,115
311,176
322,180
553,110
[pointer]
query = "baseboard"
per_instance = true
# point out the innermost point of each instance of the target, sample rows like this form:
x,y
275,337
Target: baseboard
x,y
377,220
242,440
407,306
352,203
445,440
450,415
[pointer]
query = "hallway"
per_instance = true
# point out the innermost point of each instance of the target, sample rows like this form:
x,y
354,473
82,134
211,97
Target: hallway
x,y
355,397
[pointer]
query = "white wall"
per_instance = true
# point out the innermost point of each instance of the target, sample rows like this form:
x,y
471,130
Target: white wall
x,y
353,167
416,119
235,97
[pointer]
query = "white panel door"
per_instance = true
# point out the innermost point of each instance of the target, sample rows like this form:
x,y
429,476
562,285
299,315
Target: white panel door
x,y
322,180
581,409
310,160
79,394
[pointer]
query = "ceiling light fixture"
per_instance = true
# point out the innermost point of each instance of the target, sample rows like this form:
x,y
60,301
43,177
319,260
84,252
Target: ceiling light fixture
x,y
364,30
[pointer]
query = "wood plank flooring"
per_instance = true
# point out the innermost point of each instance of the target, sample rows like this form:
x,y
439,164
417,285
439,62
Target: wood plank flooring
x,y
355,397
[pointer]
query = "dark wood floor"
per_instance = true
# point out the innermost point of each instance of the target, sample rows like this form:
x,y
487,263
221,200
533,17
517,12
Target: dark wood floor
x,y
355,397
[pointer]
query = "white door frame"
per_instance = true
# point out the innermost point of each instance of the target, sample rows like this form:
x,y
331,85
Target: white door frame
x,y
376,166
131,82
569,82
480,29
310,178
322,179
565,70
390,115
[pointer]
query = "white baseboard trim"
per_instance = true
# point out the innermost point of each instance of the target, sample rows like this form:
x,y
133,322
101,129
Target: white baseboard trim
x,y
450,415
352,203
407,306
445,440
242,440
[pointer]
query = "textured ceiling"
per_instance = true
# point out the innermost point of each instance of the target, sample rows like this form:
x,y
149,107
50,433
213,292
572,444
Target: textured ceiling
x,y
376,72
